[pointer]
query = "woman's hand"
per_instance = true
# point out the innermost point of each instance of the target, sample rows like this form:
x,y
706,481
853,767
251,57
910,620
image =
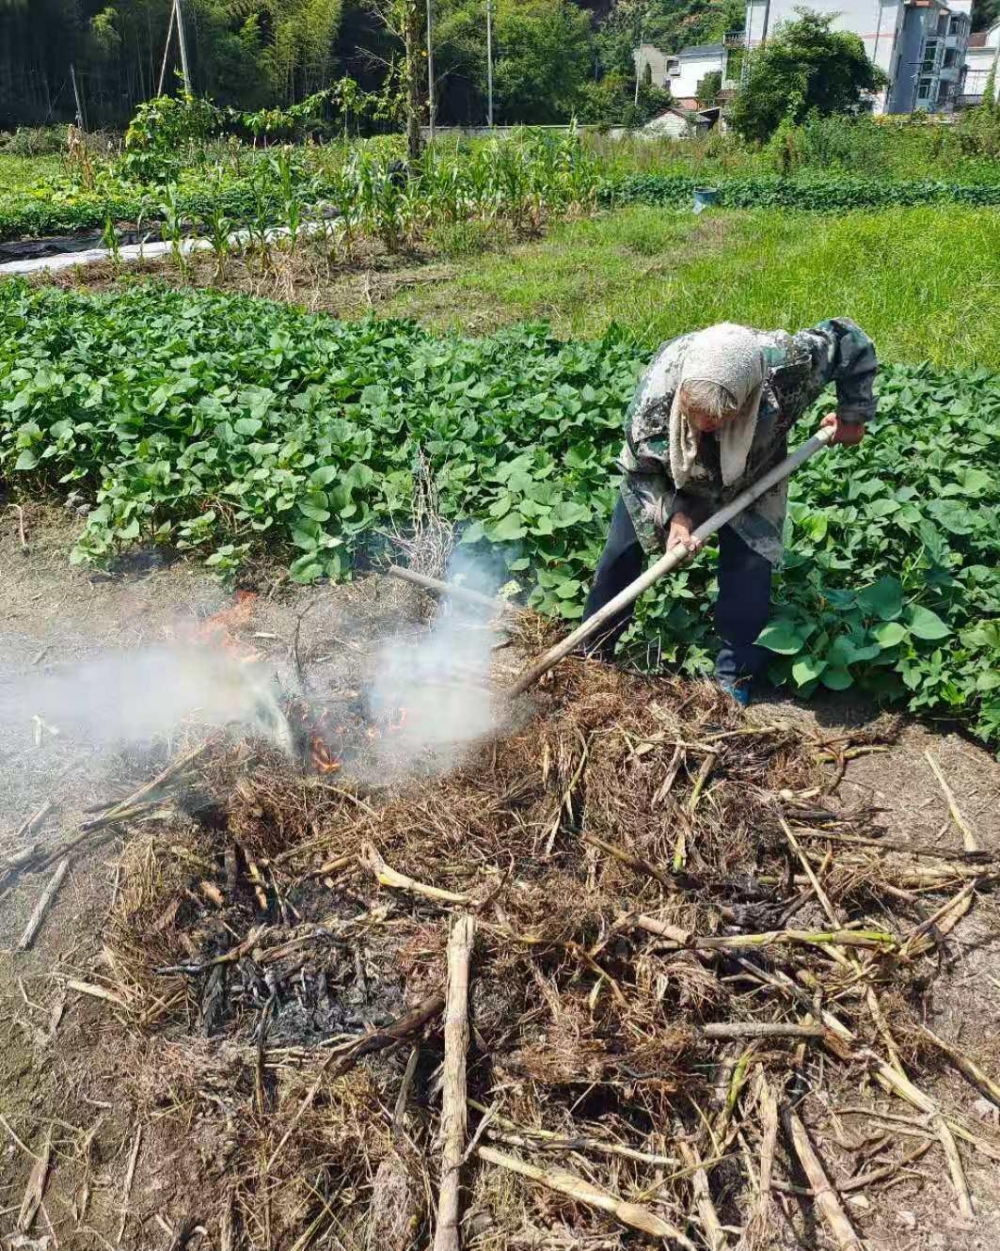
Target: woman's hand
x,y
847,432
681,533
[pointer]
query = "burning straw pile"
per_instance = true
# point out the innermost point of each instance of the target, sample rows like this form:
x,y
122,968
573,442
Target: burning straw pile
x,y
569,994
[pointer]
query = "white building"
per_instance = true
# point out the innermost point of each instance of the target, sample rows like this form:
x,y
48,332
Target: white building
x,y
980,61
681,73
919,44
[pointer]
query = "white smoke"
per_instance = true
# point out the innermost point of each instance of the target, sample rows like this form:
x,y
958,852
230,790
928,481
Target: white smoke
x,y
131,697
433,694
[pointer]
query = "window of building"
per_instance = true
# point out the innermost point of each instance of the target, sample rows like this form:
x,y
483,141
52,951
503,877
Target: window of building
x,y
942,25
924,88
950,58
930,54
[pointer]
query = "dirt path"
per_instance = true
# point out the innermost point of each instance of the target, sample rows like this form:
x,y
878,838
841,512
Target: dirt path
x,y
68,1068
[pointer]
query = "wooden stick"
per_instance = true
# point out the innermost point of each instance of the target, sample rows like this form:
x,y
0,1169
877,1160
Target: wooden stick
x,y
876,940
96,992
388,876
888,1077
116,809
633,862
888,844
926,927
967,1067
577,1188
714,1236
454,1109
759,1029
821,894
769,1137
968,837
43,905
129,1177
31,823
955,1168
675,557
532,1138
827,1199
36,1185
450,588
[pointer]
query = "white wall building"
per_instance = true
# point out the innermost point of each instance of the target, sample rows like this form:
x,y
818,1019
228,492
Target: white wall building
x,y
980,60
682,72
919,44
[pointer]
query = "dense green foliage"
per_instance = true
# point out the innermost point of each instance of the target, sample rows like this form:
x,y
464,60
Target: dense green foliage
x,y
894,149
246,52
520,179
213,424
256,54
805,67
812,193
173,153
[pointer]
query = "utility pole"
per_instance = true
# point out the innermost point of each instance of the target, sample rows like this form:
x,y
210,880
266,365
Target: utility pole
x,y
489,63
431,102
642,30
182,40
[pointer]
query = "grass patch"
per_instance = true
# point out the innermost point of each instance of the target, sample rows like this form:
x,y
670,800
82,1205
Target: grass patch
x,y
922,281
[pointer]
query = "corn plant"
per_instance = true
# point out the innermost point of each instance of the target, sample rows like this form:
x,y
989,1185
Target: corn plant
x,y
289,194
109,237
173,224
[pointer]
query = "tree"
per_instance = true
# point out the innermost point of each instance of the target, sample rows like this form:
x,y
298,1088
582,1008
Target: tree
x,y
670,25
708,88
985,13
543,59
806,66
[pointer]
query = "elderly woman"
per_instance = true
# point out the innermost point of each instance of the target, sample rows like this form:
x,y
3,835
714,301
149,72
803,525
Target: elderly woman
x,y
711,415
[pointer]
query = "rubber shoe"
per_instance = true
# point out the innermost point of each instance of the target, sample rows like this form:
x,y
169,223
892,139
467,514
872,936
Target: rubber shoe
x,y
737,691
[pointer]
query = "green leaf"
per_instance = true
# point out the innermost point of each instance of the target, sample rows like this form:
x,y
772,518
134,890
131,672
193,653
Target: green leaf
x,y
884,599
27,460
247,425
837,679
926,624
807,669
326,474
510,528
782,637
890,634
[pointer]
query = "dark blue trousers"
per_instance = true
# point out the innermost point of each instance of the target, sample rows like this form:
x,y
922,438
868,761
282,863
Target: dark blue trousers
x,y
741,610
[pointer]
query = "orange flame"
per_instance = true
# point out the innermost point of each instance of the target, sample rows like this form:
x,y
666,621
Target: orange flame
x,y
219,630
322,758
392,724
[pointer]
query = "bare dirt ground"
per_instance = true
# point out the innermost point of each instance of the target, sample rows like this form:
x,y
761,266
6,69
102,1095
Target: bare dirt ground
x,y
126,1161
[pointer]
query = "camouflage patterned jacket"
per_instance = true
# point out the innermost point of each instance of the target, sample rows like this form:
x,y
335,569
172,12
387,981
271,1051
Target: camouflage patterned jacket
x,y
800,366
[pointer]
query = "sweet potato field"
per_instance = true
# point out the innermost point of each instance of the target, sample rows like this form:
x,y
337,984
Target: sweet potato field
x,y
222,426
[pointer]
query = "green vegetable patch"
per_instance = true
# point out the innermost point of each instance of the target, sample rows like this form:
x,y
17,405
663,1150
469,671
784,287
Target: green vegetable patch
x,y
217,424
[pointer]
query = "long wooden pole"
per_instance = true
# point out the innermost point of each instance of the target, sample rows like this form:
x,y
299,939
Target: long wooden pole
x,y
454,1107
166,50
182,41
666,564
431,100
464,593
